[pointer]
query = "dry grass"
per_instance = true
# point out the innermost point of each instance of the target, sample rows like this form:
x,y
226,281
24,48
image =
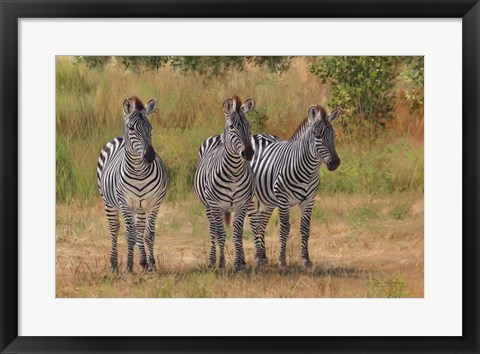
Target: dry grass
x,y
407,121
365,251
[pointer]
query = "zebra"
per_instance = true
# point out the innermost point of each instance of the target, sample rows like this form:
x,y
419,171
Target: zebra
x,y
133,179
224,181
286,174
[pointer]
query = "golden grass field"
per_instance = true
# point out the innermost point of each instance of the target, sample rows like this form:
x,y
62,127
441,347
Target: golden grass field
x,y
364,251
367,233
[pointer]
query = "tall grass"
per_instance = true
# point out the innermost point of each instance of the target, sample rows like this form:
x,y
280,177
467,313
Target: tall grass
x,y
89,113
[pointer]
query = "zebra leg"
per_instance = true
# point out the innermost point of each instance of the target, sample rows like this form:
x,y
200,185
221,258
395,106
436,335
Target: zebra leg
x,y
284,213
150,238
238,238
257,241
221,236
114,226
263,218
258,223
306,209
140,226
129,219
212,260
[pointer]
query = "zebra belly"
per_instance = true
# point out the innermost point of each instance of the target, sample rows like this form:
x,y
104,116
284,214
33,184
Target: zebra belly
x,y
294,193
231,206
273,201
142,205
231,200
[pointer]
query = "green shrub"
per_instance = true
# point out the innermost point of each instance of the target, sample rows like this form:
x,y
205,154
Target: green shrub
x,y
362,86
412,85
207,66
258,120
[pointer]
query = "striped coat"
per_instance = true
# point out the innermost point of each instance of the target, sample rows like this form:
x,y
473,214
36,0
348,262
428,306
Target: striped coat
x,y
132,179
287,174
224,181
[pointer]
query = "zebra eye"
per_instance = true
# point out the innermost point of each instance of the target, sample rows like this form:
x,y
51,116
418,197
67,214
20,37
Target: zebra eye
x,y
231,127
130,126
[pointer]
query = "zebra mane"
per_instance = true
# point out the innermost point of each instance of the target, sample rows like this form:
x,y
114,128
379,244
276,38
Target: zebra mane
x,y
304,123
300,129
237,103
322,110
138,103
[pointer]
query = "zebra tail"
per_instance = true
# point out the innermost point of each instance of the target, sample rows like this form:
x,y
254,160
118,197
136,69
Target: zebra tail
x,y
227,218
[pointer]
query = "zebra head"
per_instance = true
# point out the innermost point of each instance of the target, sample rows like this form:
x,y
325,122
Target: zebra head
x,y
138,130
237,127
324,135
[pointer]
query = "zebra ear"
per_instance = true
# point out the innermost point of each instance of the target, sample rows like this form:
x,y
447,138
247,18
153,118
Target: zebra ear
x,y
334,114
228,105
312,114
248,106
151,106
128,106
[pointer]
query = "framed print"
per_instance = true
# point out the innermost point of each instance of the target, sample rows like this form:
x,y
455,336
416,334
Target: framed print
x,y
235,176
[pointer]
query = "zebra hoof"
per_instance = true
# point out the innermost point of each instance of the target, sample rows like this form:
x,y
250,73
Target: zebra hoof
x,y
114,269
221,264
144,265
240,266
307,264
130,268
260,262
282,263
259,265
152,268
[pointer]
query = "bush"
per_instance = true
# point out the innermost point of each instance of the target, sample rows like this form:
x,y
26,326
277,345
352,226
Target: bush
x,y
362,86
413,77
208,66
258,120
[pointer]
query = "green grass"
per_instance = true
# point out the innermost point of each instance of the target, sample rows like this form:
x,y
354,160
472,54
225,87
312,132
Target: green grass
x,y
400,211
392,164
387,287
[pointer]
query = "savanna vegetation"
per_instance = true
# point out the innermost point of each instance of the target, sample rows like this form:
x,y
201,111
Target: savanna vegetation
x,y
367,224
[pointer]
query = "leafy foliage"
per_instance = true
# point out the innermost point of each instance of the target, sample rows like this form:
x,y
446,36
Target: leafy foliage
x,y
209,66
362,86
93,62
258,120
413,77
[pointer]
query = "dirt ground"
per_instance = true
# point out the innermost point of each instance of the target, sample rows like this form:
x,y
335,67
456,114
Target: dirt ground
x,y
361,246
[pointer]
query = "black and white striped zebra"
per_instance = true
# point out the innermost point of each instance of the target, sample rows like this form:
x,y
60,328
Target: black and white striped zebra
x,y
286,174
224,180
133,179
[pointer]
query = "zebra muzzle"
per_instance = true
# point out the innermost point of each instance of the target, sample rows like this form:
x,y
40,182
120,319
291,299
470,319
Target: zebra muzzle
x,y
247,152
333,164
149,155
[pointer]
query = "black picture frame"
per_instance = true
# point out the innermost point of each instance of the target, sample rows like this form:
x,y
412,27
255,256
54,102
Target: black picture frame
x,y
12,11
